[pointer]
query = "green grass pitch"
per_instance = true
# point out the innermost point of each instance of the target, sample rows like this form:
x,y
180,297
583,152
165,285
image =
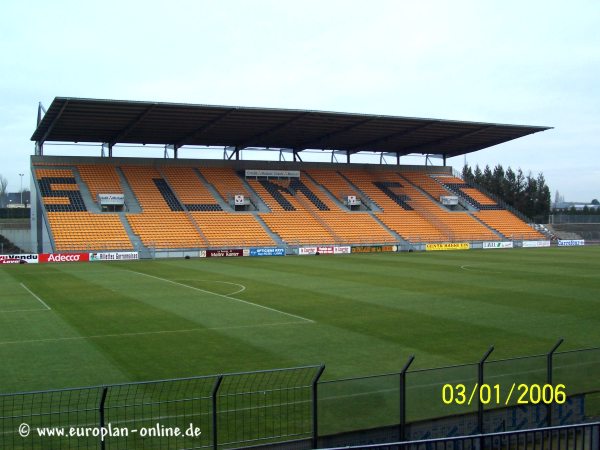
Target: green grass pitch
x,y
67,325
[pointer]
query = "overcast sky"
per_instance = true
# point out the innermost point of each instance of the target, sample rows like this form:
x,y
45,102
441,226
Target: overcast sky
x,y
518,62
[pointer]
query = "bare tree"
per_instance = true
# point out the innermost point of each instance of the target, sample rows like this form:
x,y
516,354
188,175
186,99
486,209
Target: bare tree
x,y
3,186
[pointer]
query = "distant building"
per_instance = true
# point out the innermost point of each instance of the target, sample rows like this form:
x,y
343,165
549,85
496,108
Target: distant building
x,y
578,206
13,200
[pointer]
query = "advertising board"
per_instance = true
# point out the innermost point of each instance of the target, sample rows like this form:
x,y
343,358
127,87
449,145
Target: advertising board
x,y
25,258
374,248
324,250
498,244
64,257
224,253
268,251
536,244
448,246
570,242
114,256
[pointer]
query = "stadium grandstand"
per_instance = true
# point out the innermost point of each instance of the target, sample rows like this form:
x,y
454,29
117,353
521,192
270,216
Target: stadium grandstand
x,y
163,204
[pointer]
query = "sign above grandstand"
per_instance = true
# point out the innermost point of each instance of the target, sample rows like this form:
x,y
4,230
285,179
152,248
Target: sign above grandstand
x,y
352,200
449,200
111,199
240,200
273,173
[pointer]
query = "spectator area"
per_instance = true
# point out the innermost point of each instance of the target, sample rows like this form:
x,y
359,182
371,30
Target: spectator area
x,y
190,207
71,225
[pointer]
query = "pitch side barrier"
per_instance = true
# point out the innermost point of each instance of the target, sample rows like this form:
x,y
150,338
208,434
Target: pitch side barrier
x,y
41,258
294,409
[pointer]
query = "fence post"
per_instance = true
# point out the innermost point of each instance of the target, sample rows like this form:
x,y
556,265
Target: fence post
x,y
215,389
480,383
402,431
101,413
315,419
549,378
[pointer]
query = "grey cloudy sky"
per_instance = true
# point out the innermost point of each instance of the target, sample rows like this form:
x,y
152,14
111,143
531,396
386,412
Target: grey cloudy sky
x,y
520,62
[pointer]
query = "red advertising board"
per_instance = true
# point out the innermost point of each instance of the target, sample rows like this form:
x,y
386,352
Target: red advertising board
x,y
64,257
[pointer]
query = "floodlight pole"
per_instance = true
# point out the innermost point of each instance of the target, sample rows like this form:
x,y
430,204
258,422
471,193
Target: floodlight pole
x,y
21,175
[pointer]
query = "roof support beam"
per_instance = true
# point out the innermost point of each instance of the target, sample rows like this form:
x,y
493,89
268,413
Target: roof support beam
x,y
54,122
424,148
132,125
317,142
257,137
389,137
204,128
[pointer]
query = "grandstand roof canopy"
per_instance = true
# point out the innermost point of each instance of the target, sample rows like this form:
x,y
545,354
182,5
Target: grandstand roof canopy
x,y
133,122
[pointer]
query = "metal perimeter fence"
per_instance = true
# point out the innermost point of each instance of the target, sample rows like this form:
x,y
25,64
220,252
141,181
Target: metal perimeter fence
x,y
568,437
294,409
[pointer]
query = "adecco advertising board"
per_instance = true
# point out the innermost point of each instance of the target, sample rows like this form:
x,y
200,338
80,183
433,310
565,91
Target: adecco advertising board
x,y
535,244
26,258
64,257
570,242
503,244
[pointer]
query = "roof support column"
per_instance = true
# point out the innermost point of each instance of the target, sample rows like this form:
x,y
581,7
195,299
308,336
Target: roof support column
x,y
444,156
110,147
398,158
234,151
39,145
175,151
348,156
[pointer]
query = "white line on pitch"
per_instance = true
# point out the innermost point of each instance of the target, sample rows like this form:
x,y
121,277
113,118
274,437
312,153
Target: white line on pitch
x,y
36,297
243,288
143,333
224,296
